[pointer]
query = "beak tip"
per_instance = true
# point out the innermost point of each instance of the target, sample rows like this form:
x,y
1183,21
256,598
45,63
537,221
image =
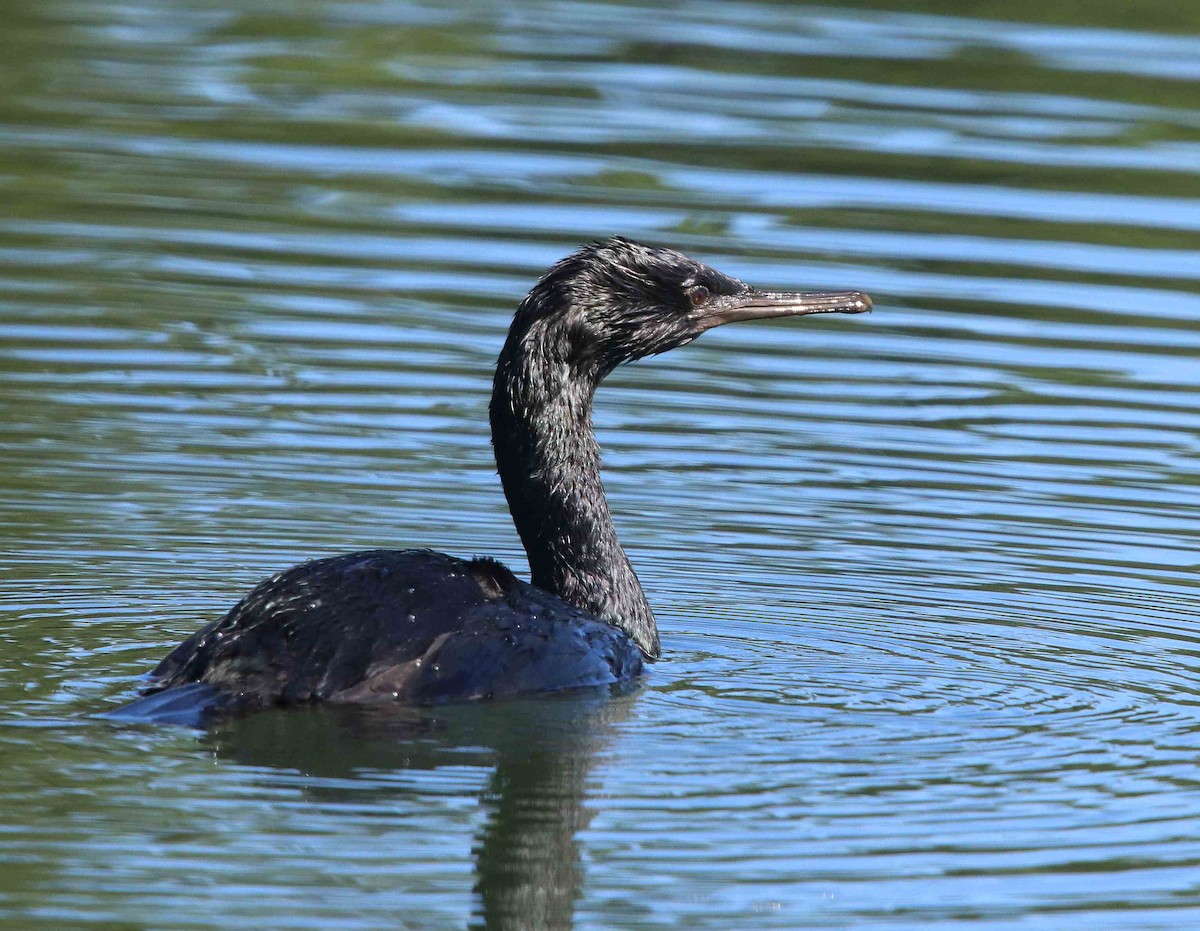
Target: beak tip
x,y
860,303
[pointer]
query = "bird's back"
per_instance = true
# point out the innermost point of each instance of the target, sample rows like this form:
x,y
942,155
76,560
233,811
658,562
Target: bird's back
x,y
404,626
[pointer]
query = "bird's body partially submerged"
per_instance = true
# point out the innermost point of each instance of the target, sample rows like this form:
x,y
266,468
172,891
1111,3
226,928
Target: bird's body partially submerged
x,y
414,626
408,626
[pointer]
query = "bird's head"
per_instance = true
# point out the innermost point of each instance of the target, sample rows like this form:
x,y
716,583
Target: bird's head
x,y
615,301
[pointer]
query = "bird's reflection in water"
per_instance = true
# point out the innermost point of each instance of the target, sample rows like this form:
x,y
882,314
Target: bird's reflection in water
x,y
528,871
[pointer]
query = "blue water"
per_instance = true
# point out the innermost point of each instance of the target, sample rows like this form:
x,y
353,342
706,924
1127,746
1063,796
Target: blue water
x,y
927,580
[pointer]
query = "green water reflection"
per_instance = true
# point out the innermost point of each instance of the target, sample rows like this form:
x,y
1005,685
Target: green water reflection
x,y
927,581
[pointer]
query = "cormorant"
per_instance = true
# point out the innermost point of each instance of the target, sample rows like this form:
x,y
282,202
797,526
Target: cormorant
x,y
420,627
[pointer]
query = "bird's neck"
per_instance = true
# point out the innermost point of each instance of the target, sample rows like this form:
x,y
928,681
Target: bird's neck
x,y
549,464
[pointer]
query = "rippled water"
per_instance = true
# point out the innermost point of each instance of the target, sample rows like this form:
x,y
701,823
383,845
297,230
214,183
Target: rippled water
x,y
927,580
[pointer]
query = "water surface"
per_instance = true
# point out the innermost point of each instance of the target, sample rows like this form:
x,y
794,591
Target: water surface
x,y
927,580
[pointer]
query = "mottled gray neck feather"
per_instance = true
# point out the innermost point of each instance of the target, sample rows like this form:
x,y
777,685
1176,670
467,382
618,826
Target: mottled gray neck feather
x,y
549,464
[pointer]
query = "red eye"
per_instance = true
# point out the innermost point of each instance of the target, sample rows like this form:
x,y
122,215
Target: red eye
x,y
698,295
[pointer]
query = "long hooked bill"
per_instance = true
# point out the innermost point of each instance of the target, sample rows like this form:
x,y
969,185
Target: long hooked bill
x,y
758,305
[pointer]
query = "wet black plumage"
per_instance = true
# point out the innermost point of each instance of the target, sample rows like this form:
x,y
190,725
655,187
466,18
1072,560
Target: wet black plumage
x,y
415,626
